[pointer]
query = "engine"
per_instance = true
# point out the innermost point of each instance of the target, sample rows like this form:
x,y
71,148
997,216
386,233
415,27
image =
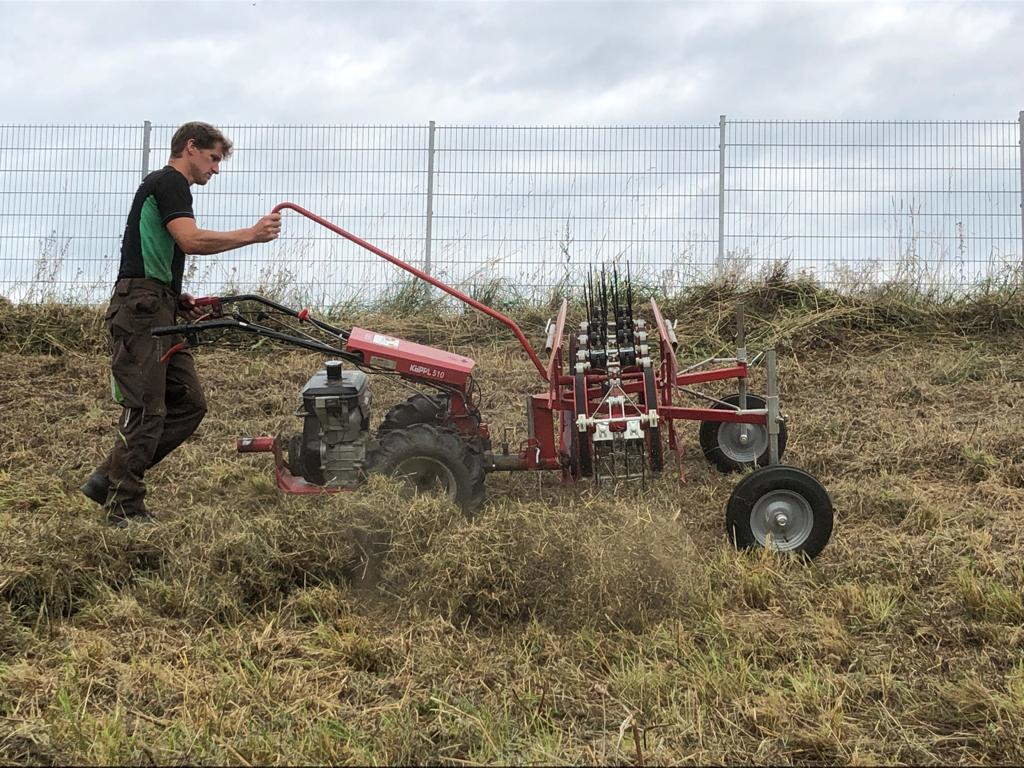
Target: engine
x,y
335,413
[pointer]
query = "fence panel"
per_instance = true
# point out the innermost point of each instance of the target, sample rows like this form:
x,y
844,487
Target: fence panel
x,y
528,208
533,207
932,204
64,195
370,180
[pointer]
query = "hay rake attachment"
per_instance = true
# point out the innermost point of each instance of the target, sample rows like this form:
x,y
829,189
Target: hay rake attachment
x,y
608,411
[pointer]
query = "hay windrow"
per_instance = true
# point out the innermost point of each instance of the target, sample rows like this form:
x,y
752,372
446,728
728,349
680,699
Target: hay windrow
x,y
592,563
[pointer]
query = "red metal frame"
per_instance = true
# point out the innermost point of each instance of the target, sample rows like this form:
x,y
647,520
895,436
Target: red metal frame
x,y
286,481
540,451
561,385
423,276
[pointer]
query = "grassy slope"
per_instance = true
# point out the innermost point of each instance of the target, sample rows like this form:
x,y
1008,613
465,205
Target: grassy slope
x,y
566,623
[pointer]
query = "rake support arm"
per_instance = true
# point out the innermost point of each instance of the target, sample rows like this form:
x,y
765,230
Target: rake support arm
x,y
480,307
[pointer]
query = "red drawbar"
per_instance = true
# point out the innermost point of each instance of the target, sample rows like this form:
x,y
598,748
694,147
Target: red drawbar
x,y
286,481
264,444
407,357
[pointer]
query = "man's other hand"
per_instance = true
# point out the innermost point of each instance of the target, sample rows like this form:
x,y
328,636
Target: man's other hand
x,y
267,228
187,307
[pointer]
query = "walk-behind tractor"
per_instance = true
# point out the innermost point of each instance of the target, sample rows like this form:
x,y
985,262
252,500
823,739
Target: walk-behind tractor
x,y
607,411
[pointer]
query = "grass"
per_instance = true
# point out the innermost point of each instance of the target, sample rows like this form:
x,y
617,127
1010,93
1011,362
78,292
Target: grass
x,y
565,624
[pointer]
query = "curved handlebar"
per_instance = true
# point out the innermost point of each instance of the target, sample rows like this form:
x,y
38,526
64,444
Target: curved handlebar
x,y
424,276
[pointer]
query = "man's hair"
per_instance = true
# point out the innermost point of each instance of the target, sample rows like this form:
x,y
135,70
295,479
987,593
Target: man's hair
x,y
203,134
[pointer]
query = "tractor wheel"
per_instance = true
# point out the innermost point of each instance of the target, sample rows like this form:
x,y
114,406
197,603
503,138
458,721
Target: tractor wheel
x,y
782,508
418,409
432,458
725,446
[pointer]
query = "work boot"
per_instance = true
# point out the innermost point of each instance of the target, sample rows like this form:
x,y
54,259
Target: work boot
x,y
120,516
96,487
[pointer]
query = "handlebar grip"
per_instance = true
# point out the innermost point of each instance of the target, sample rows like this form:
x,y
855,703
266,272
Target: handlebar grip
x,y
167,330
207,301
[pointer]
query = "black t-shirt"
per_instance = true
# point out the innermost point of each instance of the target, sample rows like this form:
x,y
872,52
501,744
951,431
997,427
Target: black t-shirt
x,y
147,248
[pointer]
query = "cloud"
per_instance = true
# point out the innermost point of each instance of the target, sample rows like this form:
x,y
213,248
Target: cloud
x,y
516,62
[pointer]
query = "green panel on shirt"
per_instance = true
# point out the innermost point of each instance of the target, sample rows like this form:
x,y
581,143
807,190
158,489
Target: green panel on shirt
x,y
157,244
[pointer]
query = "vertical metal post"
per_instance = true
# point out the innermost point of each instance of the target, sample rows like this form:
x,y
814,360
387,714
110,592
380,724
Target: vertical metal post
x,y
147,129
772,398
430,199
741,352
1020,156
721,195
741,357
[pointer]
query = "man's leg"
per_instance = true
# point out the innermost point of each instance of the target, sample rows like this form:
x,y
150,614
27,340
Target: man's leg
x,y
185,409
138,433
186,404
139,383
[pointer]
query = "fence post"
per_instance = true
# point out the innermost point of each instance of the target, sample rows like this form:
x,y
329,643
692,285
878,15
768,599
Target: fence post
x,y
1020,157
721,196
430,199
146,129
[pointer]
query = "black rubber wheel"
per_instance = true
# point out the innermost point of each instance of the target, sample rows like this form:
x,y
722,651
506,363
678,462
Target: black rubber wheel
x,y
655,451
418,409
721,441
780,507
432,458
292,459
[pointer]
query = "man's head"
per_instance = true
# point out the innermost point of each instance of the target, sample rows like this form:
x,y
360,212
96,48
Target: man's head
x,y
197,150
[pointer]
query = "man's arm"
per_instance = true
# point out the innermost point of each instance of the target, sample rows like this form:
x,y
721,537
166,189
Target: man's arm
x,y
193,240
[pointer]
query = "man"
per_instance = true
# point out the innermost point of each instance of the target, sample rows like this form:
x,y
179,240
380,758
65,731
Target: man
x,y
162,403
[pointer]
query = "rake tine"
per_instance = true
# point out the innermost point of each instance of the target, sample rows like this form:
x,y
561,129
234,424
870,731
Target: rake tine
x,y
617,307
586,293
604,309
629,293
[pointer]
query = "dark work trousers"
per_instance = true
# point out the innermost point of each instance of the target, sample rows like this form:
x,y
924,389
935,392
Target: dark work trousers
x,y
162,403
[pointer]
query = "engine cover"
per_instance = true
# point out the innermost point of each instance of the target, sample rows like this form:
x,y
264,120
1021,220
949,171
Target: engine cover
x,y
416,361
335,413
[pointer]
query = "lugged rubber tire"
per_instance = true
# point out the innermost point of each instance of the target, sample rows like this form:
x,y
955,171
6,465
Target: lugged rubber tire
x,y
794,491
418,409
710,439
421,450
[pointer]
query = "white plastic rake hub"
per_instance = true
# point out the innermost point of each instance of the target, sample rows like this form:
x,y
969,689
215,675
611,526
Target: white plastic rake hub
x,y
633,421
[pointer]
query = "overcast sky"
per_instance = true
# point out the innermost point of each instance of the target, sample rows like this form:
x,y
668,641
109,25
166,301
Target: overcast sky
x,y
508,62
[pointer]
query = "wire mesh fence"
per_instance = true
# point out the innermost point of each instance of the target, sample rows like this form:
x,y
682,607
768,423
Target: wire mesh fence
x,y
533,207
526,209
936,205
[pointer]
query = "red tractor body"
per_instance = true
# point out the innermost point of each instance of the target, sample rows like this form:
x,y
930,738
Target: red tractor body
x,y
608,410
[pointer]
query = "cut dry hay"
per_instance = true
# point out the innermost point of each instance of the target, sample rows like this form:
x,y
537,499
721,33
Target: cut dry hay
x,y
564,623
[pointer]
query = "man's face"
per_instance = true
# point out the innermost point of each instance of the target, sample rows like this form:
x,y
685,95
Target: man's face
x,y
203,163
